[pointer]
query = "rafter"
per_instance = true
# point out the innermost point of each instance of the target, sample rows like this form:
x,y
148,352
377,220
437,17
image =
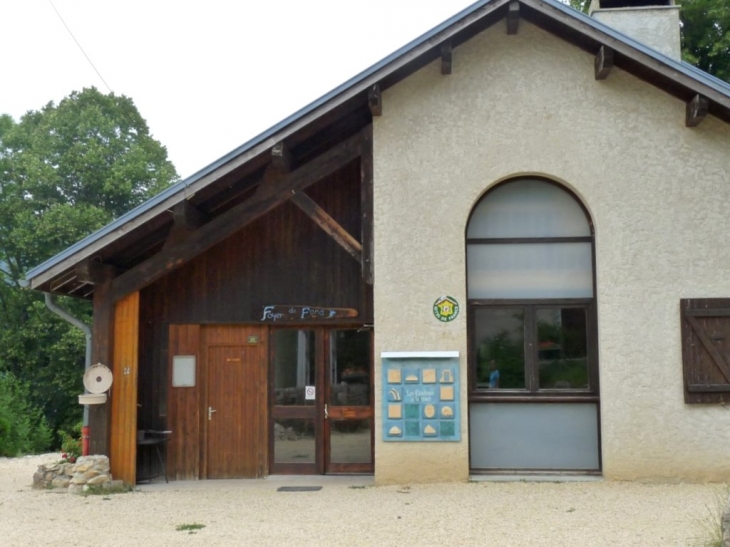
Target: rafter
x,y
322,219
375,101
234,219
604,62
446,58
513,17
696,111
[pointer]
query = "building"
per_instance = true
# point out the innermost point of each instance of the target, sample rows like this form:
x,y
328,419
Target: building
x,y
560,181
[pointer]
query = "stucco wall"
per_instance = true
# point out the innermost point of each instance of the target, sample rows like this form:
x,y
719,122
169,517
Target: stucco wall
x,y
658,193
657,27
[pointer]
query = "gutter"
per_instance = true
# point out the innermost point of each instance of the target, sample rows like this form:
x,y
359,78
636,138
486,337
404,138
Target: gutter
x,y
76,322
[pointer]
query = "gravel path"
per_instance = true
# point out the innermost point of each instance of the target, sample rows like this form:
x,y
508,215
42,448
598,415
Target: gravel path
x,y
253,513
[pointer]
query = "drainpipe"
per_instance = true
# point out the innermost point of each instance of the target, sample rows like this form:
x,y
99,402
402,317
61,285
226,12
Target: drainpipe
x,y
76,322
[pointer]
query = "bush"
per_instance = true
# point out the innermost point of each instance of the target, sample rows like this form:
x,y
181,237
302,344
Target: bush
x,y
23,429
71,444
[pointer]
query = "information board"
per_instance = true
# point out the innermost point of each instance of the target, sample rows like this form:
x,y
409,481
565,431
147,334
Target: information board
x,y
421,396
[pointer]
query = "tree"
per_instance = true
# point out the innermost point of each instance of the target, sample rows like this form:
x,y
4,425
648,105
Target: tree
x,y
705,33
65,171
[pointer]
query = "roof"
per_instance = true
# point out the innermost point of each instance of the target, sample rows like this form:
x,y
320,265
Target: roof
x,y
678,78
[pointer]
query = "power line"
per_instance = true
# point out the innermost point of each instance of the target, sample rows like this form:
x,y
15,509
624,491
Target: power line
x,y
82,49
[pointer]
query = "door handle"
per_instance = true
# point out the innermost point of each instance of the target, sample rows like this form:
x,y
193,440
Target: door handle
x,y
211,410
326,414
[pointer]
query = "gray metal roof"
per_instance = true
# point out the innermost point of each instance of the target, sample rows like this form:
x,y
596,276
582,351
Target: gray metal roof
x,y
362,81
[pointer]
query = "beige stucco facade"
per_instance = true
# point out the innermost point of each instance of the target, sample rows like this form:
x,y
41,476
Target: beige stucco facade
x,y
658,195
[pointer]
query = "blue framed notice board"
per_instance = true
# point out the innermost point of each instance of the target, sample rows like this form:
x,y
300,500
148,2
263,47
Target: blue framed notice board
x,y
421,396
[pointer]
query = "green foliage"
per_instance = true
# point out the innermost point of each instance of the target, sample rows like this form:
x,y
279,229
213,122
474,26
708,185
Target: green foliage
x,y
706,35
65,171
22,426
191,528
71,444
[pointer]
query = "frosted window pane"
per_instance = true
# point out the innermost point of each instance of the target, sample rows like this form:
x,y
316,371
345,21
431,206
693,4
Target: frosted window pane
x,y
533,436
528,208
540,270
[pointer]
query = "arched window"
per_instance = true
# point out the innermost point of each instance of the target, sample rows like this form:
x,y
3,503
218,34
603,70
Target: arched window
x,y
532,321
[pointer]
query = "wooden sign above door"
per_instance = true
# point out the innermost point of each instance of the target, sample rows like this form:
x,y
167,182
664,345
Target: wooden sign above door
x,y
280,313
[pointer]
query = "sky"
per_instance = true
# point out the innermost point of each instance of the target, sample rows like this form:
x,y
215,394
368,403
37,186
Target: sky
x,y
206,75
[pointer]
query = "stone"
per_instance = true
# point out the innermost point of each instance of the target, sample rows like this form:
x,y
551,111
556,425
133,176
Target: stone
x,y
83,466
49,476
90,474
51,467
118,484
78,479
100,479
75,488
60,482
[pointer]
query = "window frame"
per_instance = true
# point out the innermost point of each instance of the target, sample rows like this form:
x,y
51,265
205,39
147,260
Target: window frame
x,y
532,390
530,333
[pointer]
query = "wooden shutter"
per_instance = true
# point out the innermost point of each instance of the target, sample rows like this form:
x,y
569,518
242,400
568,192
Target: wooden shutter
x,y
706,350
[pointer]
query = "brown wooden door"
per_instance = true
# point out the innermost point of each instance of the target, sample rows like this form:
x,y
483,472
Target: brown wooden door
x,y
233,413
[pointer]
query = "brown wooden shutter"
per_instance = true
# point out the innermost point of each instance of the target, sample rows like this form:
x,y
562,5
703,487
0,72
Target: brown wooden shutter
x,y
706,350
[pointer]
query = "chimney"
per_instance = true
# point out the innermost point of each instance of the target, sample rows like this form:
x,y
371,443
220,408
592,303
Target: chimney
x,y
654,23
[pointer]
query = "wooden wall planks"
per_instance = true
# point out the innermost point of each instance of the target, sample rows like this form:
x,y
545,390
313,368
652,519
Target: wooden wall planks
x,y
123,438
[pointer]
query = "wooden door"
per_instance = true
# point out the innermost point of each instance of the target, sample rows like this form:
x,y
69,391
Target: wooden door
x,y
235,411
348,398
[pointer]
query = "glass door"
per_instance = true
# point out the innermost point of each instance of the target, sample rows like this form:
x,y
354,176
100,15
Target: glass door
x,y
321,401
349,402
296,408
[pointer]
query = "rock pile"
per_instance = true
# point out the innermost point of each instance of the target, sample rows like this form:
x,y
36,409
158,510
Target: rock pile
x,y
76,477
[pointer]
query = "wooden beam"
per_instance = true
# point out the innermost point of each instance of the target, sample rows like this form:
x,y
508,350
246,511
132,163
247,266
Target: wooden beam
x,y
188,216
375,101
281,157
446,58
366,204
328,224
234,219
696,110
513,17
94,272
186,220
604,62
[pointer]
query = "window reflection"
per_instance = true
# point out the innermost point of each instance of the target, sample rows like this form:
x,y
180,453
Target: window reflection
x,y
562,352
293,366
350,441
294,441
500,348
350,368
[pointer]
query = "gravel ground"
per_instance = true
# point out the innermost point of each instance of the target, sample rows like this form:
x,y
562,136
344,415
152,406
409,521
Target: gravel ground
x,y
347,513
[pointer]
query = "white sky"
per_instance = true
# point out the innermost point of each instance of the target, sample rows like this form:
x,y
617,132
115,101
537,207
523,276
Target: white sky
x,y
206,75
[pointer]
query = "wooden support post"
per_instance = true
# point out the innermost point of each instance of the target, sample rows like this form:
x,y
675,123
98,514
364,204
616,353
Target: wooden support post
x,y
366,204
123,420
328,224
604,62
375,101
513,17
446,58
696,110
234,219
102,347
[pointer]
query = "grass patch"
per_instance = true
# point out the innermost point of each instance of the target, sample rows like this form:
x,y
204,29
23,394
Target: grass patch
x,y
101,491
709,524
189,528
